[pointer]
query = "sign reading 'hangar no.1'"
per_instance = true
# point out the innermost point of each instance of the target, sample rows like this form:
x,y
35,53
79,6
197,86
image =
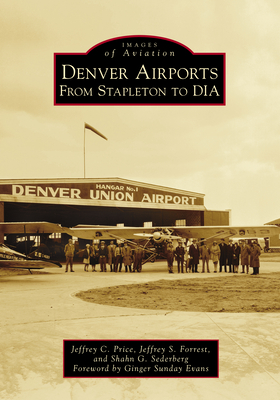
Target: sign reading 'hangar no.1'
x,y
139,70
106,193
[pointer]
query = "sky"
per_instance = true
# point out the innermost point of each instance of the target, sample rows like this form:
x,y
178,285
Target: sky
x,y
229,153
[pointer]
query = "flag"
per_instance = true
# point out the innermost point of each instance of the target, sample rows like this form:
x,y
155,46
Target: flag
x,y
87,126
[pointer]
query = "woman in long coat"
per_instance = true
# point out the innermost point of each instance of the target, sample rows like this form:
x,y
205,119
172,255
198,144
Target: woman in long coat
x,y
170,256
255,258
111,255
92,258
127,257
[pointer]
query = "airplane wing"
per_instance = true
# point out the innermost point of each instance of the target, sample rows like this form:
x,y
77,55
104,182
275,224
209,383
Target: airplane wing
x,y
24,264
29,228
224,232
91,232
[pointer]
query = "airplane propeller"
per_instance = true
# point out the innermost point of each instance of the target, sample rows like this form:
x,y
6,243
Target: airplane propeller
x,y
158,236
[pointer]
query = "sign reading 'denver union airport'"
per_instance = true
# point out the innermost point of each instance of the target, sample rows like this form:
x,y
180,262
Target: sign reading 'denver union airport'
x,y
139,70
107,193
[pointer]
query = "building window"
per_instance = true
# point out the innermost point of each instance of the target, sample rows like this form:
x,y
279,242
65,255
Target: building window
x,y
148,224
55,236
180,222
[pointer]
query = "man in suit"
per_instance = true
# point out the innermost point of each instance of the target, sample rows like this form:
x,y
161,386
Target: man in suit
x,y
205,256
103,256
180,253
118,258
69,251
194,255
137,259
223,256
230,255
111,255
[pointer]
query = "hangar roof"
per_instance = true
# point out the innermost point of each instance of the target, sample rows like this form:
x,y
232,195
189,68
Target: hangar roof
x,y
275,222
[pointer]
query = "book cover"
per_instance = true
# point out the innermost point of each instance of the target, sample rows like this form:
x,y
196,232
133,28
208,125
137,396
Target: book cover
x,y
180,130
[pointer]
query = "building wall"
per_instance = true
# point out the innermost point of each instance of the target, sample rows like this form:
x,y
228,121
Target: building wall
x,y
216,218
2,220
74,215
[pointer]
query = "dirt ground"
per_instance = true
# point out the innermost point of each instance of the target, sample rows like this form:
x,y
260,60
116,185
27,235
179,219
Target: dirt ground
x,y
233,293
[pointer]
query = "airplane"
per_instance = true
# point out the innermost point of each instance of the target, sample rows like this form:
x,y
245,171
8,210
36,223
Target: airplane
x,y
161,234
158,236
10,258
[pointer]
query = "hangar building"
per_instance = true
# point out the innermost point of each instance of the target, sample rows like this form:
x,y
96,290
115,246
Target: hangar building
x,y
103,201
274,242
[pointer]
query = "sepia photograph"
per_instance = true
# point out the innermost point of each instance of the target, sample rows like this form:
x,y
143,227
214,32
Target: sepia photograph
x,y
139,200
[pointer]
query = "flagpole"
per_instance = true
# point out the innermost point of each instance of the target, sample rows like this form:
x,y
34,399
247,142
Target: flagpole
x,y
84,151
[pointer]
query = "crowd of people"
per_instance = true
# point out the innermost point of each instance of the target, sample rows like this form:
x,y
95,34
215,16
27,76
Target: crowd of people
x,y
224,256
227,257
112,256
